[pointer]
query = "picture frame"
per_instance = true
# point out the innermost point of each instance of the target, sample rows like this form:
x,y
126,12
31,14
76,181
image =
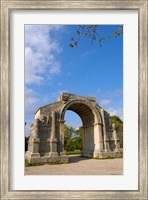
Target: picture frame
x,y
6,7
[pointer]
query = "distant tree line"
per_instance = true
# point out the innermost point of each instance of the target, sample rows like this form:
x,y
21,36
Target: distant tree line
x,y
119,128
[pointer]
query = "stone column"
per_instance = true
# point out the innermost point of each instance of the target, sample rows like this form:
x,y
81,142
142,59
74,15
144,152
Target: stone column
x,y
53,139
32,155
53,132
83,141
106,140
98,140
100,137
36,140
62,152
115,138
106,144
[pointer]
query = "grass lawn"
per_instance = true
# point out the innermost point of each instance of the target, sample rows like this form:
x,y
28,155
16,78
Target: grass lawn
x,y
78,152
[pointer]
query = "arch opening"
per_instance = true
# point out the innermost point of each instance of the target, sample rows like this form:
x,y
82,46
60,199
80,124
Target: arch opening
x,y
88,119
72,133
72,119
83,109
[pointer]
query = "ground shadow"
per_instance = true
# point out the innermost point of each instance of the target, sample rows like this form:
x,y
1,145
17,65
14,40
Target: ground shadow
x,y
76,158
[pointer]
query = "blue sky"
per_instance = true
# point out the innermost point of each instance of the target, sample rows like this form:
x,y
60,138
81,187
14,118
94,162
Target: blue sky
x,y
52,67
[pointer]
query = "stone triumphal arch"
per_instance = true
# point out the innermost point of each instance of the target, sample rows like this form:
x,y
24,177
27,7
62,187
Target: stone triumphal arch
x,y
46,141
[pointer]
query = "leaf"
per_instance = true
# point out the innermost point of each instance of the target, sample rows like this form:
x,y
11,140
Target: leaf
x,y
76,43
101,39
91,32
71,45
79,33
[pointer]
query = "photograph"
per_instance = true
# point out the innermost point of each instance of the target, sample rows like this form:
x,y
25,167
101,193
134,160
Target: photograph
x,y
73,99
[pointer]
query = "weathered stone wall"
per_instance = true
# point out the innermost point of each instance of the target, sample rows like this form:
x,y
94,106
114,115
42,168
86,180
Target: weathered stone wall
x,y
46,143
88,144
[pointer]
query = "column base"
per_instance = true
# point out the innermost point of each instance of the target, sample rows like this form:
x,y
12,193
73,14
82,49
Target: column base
x,y
87,153
30,154
118,150
32,157
111,154
53,154
63,153
107,150
96,154
63,157
52,158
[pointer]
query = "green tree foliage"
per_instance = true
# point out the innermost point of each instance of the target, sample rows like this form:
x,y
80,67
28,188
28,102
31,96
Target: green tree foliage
x,y
119,128
72,138
26,143
92,32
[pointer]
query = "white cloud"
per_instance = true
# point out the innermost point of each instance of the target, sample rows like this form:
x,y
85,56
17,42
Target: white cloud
x,y
104,102
41,50
113,111
54,96
117,92
55,69
31,101
114,97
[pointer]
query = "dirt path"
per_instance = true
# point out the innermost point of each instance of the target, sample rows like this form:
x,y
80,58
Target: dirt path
x,y
80,166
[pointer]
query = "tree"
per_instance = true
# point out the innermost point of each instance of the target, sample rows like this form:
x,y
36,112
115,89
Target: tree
x,y
119,128
26,143
92,32
72,138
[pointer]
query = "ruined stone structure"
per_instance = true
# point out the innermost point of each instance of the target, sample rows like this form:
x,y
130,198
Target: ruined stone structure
x,y
46,142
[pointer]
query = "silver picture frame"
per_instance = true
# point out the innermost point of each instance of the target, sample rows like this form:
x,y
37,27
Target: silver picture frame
x,y
6,7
